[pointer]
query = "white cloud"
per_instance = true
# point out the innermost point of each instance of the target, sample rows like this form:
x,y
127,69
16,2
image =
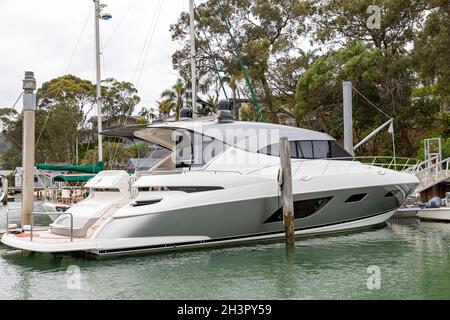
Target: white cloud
x,y
40,36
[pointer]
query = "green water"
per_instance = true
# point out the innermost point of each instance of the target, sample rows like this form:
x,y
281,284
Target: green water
x,y
413,260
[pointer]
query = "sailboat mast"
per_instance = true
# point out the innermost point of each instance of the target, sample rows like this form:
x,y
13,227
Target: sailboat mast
x,y
193,66
99,89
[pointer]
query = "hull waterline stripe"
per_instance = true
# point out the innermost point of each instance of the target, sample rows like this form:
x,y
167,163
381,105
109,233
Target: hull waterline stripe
x,y
243,237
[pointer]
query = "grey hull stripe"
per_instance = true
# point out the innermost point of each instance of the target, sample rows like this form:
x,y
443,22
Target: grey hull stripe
x,y
182,244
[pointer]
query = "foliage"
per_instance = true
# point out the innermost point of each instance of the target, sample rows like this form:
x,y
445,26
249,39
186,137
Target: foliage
x,y
432,50
212,101
63,105
115,155
148,114
246,114
267,33
139,150
165,107
174,98
402,67
119,98
11,158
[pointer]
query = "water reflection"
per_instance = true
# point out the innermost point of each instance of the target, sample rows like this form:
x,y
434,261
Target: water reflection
x,y
413,260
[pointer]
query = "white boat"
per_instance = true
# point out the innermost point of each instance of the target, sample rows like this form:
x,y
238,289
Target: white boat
x,y
219,186
439,213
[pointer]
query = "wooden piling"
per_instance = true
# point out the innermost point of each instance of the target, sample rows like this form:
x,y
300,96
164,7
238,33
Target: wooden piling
x,y
287,197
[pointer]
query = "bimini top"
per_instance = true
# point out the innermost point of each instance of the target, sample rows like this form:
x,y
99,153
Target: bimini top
x,y
237,133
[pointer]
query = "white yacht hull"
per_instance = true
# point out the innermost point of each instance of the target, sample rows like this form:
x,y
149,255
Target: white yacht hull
x,y
126,246
233,199
246,210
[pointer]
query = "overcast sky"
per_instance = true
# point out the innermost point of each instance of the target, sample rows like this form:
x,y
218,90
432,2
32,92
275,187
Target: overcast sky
x,y
40,36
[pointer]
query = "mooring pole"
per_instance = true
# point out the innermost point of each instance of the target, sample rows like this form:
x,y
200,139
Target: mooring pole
x,y
5,190
29,109
348,116
287,198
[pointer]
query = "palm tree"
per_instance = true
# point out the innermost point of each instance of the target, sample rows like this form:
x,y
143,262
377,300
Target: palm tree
x,y
175,96
148,114
165,107
212,102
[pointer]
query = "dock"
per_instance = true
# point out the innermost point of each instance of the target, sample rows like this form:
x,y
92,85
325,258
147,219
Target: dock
x,y
407,213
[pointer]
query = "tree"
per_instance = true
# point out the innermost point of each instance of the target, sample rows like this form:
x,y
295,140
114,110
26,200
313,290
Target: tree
x,y
212,101
342,22
165,107
115,155
148,114
63,105
432,51
268,34
70,91
119,99
319,94
174,96
11,158
381,65
58,138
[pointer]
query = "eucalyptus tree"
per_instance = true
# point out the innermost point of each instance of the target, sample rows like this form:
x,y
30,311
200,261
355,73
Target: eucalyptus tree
x,y
119,100
268,33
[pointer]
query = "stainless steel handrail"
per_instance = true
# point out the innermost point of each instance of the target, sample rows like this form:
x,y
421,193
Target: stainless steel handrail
x,y
7,217
47,214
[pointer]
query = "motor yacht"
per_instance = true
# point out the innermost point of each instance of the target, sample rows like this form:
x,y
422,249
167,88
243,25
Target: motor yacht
x,y
218,185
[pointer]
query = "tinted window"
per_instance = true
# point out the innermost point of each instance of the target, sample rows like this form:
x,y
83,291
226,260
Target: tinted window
x,y
302,209
305,149
316,149
337,151
272,150
321,149
293,147
205,149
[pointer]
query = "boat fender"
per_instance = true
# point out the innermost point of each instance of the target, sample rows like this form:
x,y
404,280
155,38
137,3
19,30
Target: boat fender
x,y
280,178
435,202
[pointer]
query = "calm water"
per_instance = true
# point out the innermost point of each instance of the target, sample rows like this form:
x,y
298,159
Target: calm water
x,y
413,260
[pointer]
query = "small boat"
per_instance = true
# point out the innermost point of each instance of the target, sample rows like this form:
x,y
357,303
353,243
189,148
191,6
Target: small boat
x,y
68,188
55,207
436,209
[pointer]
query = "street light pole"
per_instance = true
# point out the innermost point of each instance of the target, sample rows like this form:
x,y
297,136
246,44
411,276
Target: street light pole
x,y
99,88
104,16
193,66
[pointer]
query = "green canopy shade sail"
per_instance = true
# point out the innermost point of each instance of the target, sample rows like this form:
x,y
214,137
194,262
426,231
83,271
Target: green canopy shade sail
x,y
95,168
73,178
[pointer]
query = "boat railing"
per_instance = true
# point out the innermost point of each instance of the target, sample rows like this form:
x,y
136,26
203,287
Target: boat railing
x,y
39,213
401,164
8,218
433,173
387,162
169,172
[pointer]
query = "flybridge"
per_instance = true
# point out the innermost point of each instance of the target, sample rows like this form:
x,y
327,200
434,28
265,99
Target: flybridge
x,y
246,135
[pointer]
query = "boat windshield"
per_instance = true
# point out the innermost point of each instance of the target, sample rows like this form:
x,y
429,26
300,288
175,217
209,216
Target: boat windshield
x,y
189,149
144,155
193,149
